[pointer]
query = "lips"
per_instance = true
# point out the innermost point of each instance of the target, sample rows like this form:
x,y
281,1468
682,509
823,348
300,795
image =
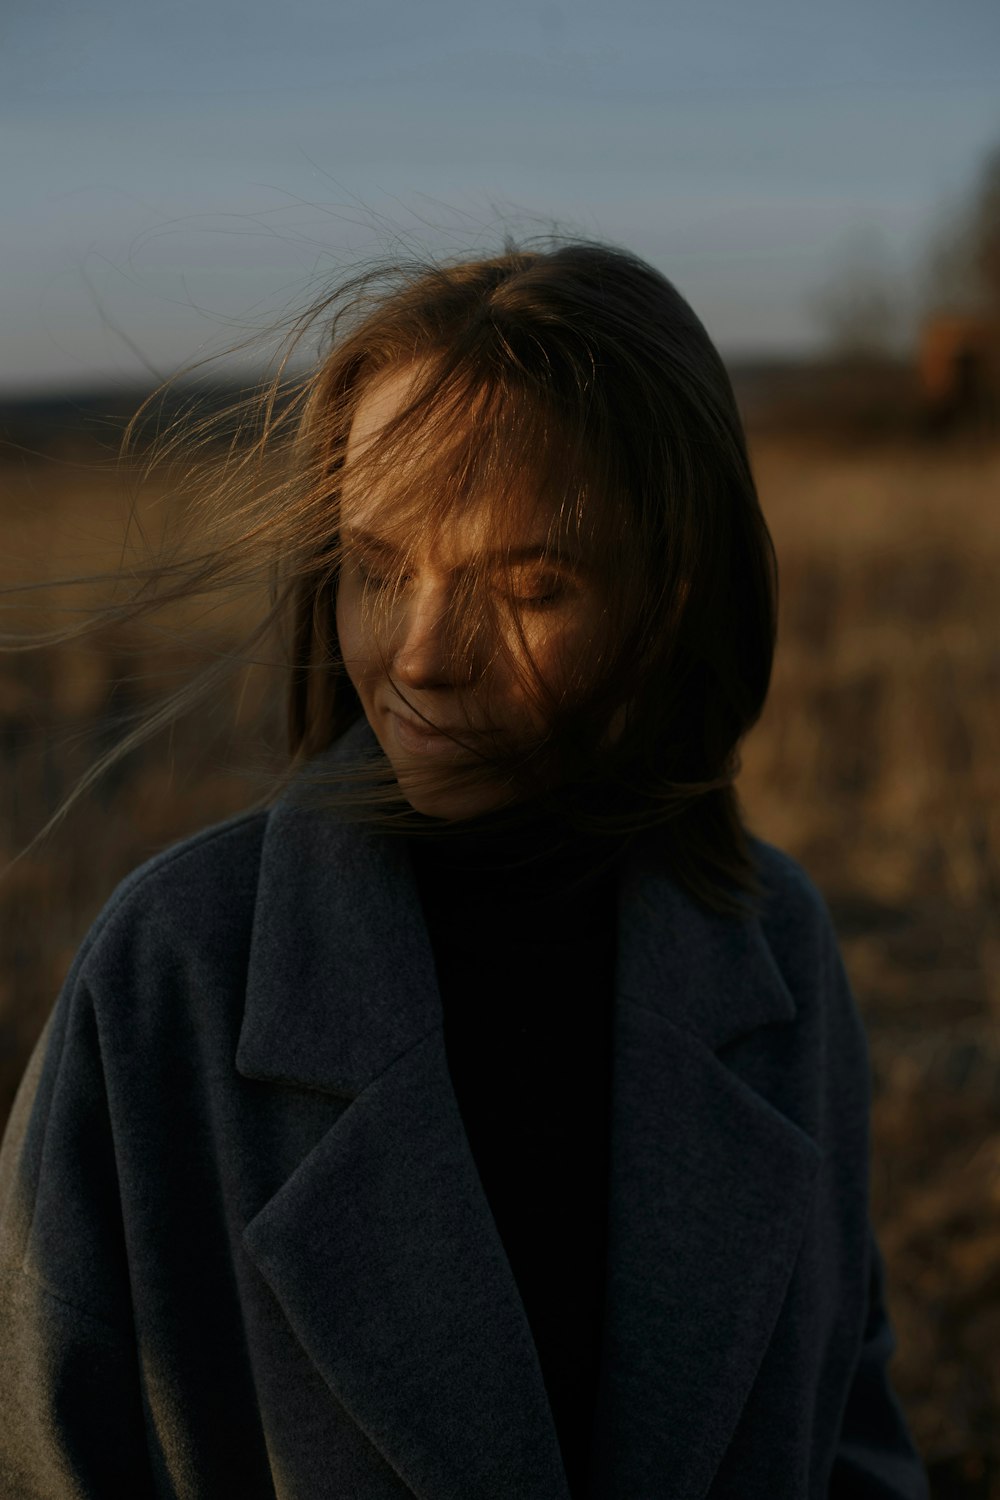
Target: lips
x,y
417,738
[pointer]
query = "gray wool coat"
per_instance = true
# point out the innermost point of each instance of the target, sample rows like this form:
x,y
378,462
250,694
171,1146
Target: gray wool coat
x,y
245,1251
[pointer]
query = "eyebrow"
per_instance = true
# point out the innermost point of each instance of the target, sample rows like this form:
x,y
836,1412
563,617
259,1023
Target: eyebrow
x,y
531,552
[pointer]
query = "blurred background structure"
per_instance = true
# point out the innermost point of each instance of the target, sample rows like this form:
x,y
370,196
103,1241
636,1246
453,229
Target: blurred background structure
x,y
823,184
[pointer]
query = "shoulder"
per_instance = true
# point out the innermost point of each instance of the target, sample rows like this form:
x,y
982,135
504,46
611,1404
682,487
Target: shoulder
x,y
786,884
194,896
792,911
800,934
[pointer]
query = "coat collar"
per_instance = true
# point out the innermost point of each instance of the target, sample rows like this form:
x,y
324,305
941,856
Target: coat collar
x,y
426,1342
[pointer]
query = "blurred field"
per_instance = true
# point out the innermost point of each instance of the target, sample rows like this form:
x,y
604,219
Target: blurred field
x,y
877,763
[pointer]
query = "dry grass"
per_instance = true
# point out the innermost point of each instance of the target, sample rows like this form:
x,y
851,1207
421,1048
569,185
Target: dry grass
x,y
877,763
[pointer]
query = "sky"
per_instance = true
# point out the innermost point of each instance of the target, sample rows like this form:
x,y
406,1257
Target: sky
x,y
178,178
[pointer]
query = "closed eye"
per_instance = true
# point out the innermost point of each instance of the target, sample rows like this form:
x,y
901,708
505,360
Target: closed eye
x,y
526,582
532,589
376,570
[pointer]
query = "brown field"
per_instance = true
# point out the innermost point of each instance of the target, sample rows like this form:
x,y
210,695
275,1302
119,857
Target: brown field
x,y
877,763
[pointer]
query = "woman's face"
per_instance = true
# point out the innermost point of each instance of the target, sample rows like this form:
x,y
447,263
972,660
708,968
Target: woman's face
x,y
394,613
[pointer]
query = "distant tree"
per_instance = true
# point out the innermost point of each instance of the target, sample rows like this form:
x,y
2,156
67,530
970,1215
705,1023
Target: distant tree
x,y
870,309
959,351
963,264
863,307
986,230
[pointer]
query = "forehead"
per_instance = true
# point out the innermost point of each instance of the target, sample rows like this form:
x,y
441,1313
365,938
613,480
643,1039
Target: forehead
x,y
382,399
404,496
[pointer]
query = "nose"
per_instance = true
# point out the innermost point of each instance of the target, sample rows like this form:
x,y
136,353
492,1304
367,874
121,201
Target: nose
x,y
423,653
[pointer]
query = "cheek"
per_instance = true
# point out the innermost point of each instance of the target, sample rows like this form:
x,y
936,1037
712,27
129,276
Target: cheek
x,y
553,664
564,651
351,635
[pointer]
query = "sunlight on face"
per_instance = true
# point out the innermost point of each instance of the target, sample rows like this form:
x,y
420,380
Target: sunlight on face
x,y
428,723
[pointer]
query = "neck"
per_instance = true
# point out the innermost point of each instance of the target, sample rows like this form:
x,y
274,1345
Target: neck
x,y
532,851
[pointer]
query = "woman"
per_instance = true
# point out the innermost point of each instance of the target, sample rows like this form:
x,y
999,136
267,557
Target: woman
x,y
488,1117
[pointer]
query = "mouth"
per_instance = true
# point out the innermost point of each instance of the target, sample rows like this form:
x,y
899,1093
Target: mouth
x,y
417,738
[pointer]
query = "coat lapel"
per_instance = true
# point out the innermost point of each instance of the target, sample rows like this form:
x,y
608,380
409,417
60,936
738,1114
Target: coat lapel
x,y
381,1247
710,1187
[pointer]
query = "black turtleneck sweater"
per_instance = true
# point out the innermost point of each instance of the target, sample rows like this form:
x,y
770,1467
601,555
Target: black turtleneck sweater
x,y
523,931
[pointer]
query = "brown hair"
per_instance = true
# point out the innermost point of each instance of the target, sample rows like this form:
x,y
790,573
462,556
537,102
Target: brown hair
x,y
580,372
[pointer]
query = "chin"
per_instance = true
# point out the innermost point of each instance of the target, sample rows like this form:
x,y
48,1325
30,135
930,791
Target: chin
x,y
453,802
